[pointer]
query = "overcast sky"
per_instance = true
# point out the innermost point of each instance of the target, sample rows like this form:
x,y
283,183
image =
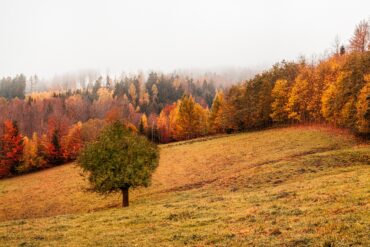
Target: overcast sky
x,y
47,36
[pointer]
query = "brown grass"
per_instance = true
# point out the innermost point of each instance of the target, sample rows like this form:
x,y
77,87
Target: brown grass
x,y
183,166
290,186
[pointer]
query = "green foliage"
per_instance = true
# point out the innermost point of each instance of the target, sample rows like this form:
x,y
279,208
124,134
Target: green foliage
x,y
119,159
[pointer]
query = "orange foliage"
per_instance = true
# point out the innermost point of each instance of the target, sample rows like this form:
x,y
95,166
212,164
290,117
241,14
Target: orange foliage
x,y
54,150
72,142
11,150
164,123
113,115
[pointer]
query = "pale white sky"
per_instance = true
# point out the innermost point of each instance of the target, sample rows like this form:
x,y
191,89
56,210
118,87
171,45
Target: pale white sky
x,y
49,36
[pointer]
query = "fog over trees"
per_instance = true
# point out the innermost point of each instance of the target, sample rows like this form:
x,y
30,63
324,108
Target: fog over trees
x,y
47,122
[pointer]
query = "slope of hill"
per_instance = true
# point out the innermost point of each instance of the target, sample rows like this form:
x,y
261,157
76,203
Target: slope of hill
x,y
292,186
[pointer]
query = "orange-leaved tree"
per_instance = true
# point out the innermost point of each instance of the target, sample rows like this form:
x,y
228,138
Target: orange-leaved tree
x,y
72,142
11,149
33,157
164,123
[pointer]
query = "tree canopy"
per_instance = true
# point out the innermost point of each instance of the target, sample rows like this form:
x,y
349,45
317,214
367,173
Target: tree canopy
x,y
119,160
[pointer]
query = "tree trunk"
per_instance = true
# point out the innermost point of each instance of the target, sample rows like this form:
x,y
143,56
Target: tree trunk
x,y
124,196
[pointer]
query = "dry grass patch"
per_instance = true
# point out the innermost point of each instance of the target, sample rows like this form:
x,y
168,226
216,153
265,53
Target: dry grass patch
x,y
284,187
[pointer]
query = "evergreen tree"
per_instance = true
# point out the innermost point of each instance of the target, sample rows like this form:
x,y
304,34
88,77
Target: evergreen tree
x,y
54,149
13,87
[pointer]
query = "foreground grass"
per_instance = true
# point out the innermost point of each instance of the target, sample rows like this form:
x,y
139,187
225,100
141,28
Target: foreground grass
x,y
292,187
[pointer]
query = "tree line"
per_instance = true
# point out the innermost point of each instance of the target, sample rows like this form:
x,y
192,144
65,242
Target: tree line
x,y
334,90
13,87
47,129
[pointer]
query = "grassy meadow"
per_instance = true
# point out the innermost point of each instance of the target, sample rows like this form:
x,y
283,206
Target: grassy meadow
x,y
297,186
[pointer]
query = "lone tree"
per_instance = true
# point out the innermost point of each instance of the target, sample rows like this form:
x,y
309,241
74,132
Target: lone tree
x,y
360,40
119,160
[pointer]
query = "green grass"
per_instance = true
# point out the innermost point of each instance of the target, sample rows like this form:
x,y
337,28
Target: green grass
x,y
282,187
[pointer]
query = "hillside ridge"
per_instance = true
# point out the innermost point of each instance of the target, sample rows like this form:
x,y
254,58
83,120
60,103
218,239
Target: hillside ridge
x,y
286,186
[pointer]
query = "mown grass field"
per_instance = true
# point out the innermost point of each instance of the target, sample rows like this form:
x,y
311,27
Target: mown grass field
x,y
302,186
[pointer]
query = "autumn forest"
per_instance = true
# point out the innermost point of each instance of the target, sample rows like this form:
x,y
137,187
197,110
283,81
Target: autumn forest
x,y
43,129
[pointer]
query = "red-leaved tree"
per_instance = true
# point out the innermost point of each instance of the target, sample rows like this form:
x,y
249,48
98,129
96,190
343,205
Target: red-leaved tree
x,y
11,149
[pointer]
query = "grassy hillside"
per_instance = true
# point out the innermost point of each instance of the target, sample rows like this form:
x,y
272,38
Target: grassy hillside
x,y
292,186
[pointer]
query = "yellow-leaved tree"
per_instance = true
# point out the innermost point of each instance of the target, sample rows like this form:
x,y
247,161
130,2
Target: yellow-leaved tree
x,y
143,124
32,154
190,119
363,108
216,114
280,99
298,100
